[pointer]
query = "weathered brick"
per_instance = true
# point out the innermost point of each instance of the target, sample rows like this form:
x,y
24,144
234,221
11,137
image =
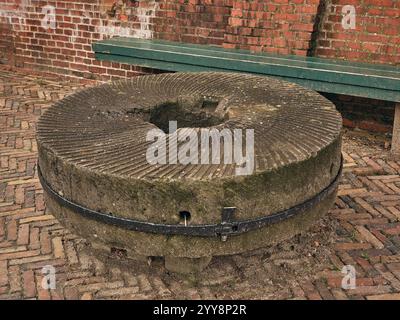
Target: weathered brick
x,y
369,237
19,254
34,239
37,218
23,234
3,273
58,247
370,290
352,246
29,285
388,296
12,230
2,227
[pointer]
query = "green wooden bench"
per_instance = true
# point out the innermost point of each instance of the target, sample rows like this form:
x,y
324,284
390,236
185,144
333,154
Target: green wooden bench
x,y
375,81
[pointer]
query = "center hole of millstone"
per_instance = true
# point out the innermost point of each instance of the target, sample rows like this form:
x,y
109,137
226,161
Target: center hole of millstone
x,y
188,113
184,216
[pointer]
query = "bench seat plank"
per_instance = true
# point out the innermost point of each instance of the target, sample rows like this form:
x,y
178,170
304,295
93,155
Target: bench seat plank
x,y
325,75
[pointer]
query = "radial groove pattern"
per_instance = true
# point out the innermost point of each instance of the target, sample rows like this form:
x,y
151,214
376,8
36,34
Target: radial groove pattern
x,y
104,128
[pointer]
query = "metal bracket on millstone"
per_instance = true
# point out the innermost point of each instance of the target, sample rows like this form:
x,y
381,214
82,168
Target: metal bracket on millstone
x,y
227,226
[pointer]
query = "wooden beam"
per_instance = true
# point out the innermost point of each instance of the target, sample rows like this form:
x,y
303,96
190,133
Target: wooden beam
x,y
375,81
396,131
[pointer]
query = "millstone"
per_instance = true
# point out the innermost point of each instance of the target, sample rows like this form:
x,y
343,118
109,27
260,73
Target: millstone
x,y
92,152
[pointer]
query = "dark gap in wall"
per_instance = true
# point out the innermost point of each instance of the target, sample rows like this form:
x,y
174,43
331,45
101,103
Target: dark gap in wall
x,y
6,42
364,113
319,19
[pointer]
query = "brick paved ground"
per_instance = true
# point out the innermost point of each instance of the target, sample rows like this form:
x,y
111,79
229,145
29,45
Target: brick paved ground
x,y
362,230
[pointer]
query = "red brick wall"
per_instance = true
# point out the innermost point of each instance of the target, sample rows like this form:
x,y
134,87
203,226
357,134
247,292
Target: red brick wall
x,y
375,39
66,49
279,26
194,21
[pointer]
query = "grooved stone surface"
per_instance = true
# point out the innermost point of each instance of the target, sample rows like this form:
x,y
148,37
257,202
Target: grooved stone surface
x,y
103,128
92,148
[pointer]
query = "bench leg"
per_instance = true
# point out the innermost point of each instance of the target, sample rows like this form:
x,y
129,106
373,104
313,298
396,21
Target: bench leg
x,y
396,131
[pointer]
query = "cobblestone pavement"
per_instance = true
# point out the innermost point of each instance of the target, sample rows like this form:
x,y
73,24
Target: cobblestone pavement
x,y
362,230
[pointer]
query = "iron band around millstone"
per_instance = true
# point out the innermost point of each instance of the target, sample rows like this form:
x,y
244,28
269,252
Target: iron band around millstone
x,y
228,225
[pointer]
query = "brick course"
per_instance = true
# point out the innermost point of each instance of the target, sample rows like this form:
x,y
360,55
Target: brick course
x,y
376,38
279,26
66,49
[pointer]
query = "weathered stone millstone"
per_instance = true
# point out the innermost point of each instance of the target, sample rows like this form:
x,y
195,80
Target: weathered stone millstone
x,y
92,148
